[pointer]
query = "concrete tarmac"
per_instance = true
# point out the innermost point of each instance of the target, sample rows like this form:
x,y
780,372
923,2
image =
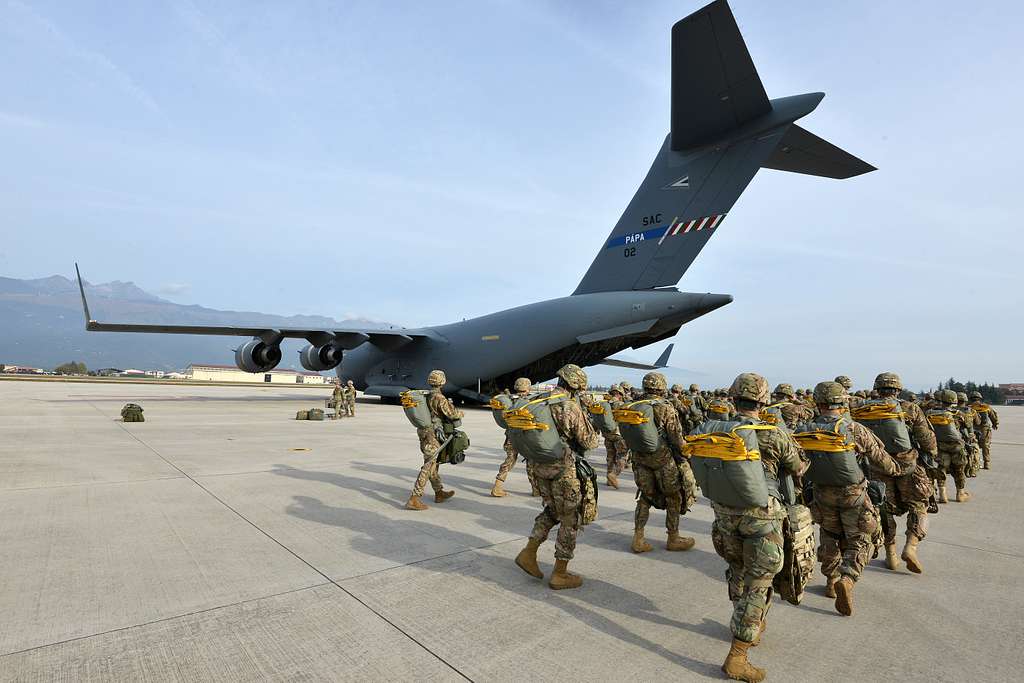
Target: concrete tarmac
x,y
224,540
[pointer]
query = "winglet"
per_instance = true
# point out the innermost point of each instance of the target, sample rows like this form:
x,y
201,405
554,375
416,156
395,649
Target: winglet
x,y
662,361
85,304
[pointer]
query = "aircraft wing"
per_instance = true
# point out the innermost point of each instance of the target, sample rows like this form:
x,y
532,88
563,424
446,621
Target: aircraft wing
x,y
662,361
346,338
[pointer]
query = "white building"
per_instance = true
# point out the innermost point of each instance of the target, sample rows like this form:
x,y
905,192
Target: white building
x,y
229,373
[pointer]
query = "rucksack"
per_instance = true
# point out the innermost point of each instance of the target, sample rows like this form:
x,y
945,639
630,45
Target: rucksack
x,y
830,448
637,426
945,426
500,404
414,404
601,416
454,451
302,415
885,417
726,461
316,414
799,554
132,412
531,427
588,491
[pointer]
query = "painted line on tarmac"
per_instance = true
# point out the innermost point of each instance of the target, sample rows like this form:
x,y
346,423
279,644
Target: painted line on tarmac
x,y
980,550
286,548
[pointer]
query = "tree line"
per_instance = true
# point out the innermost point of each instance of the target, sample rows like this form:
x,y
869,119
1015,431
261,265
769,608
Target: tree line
x,y
990,393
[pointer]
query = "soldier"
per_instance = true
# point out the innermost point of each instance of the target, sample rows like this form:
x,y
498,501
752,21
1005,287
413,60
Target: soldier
x,y
616,450
720,408
350,399
661,474
908,438
521,387
444,413
847,384
559,486
989,419
697,396
627,391
747,531
689,414
950,428
338,400
786,408
834,444
971,445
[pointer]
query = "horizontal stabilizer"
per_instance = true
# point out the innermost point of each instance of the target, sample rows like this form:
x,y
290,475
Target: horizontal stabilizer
x,y
662,362
800,151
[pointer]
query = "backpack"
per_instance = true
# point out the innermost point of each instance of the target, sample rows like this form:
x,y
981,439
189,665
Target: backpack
x,y
945,426
602,416
454,451
637,426
588,491
500,404
414,403
531,427
132,412
726,461
830,448
315,414
799,554
885,417
302,415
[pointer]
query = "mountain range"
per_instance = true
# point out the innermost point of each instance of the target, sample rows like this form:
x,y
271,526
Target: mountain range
x,y
42,326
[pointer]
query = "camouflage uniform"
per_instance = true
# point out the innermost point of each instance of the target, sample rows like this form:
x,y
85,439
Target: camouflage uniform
x,y
658,476
336,397
522,387
616,450
847,517
971,445
989,420
559,486
443,412
699,402
952,451
350,399
750,539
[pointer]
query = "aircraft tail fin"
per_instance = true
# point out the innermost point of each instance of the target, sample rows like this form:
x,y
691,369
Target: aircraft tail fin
x,y
724,129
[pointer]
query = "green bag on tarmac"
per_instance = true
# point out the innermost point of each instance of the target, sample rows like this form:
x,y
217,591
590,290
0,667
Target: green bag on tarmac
x,y
315,414
637,426
302,415
414,403
132,412
531,427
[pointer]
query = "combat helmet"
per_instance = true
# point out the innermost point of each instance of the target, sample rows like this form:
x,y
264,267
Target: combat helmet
x,y
655,383
694,389
615,389
573,376
751,387
522,385
888,380
831,394
437,378
843,381
677,388
946,397
785,390
976,395
961,398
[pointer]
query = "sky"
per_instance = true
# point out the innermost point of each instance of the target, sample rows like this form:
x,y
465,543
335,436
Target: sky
x,y
420,163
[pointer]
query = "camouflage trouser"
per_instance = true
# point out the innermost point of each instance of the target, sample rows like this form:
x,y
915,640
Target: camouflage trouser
x,y
429,446
560,491
751,542
653,482
847,520
616,449
906,494
350,407
511,455
984,436
953,461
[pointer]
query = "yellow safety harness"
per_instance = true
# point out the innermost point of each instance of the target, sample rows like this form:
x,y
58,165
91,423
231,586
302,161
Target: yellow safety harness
x,y
408,401
627,415
877,411
723,445
825,441
522,418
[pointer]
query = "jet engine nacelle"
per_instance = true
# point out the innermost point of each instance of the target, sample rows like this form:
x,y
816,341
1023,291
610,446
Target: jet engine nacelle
x,y
257,356
320,358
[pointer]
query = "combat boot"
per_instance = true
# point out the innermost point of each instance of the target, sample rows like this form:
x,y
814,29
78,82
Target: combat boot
x,y
497,491
738,667
830,587
442,495
910,554
942,494
844,596
891,561
962,496
613,481
527,559
639,544
416,504
677,542
561,578
985,466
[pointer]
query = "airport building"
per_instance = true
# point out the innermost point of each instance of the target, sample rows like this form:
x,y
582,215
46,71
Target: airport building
x,y
1014,394
229,373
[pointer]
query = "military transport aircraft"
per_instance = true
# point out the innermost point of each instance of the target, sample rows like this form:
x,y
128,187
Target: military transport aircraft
x,y
723,129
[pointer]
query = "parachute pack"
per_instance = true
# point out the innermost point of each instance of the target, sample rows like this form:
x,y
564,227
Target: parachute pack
x,y
414,404
885,417
772,415
830,448
454,450
637,426
602,416
499,404
726,461
945,426
531,427
132,412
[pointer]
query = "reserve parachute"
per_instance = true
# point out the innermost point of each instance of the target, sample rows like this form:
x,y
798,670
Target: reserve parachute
x,y
726,460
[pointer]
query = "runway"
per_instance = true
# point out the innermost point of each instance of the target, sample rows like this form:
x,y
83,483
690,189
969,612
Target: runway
x,y
224,540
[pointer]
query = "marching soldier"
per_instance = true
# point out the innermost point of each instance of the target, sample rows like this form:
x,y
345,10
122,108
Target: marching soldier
x,y
521,387
989,419
444,412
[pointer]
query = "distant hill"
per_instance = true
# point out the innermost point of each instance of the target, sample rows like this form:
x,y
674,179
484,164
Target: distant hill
x,y
43,326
